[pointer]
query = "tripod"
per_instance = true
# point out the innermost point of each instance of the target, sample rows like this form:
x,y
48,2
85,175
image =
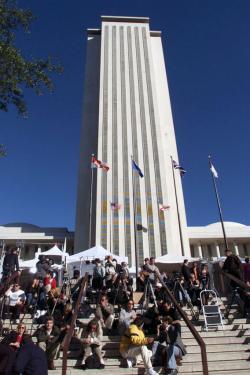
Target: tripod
x,y
235,299
148,293
177,290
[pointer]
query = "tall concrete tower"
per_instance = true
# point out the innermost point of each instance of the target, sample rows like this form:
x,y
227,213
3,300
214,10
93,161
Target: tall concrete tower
x,y
127,112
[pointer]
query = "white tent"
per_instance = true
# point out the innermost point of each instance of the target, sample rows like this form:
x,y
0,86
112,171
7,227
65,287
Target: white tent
x,y
171,262
54,251
28,263
169,258
95,252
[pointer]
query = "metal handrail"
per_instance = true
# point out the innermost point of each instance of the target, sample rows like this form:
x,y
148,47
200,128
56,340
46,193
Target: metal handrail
x,y
69,334
238,281
191,327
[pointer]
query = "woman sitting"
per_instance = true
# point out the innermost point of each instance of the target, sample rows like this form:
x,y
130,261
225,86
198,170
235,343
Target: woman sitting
x,y
91,346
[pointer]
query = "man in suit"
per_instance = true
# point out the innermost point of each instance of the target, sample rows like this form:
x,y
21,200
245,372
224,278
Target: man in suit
x,y
31,360
49,337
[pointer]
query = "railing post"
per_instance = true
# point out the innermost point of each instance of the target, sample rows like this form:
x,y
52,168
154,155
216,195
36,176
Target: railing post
x,y
69,334
191,327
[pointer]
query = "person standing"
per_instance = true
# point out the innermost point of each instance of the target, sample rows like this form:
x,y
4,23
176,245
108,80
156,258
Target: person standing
x,y
185,270
247,270
232,265
10,263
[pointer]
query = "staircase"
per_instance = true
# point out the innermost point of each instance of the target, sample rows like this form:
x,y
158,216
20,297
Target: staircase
x,y
228,350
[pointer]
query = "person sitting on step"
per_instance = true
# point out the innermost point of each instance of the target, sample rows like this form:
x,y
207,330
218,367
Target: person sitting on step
x,y
48,338
127,316
169,334
105,312
91,344
134,344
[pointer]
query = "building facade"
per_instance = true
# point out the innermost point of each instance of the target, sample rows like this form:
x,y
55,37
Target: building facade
x,y
31,238
207,241
127,113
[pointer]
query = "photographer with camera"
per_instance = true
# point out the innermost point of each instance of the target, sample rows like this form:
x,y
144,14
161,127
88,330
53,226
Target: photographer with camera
x,y
110,271
169,334
167,309
204,279
152,270
42,266
194,290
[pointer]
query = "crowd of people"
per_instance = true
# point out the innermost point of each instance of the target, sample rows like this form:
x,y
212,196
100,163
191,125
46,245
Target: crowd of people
x,y
150,331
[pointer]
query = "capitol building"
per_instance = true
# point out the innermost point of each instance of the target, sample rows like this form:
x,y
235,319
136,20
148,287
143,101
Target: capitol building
x,y
127,121
206,242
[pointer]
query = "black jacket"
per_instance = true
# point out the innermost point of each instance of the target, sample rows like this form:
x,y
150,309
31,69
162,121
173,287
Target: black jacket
x,y
31,360
10,263
42,335
186,271
12,337
172,337
232,265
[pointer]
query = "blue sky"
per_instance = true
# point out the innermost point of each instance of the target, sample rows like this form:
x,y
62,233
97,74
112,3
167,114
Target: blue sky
x,y
206,45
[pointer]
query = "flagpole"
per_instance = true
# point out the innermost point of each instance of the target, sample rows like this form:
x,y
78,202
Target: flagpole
x,y
135,229
91,204
177,208
110,229
218,203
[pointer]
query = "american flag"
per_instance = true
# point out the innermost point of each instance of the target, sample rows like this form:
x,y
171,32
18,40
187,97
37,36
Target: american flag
x,y
115,206
163,207
95,163
177,166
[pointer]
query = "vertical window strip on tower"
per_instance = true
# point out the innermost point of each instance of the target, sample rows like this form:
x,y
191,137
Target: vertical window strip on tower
x,y
154,141
125,149
115,213
105,139
150,224
139,239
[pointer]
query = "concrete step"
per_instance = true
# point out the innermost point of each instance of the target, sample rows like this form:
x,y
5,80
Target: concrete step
x,y
219,348
220,340
216,366
220,333
189,358
229,372
213,357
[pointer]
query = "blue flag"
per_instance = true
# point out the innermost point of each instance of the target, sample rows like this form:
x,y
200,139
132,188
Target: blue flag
x,y
137,168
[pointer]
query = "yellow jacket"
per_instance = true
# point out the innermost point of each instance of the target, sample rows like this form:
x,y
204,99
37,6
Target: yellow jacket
x,y
133,336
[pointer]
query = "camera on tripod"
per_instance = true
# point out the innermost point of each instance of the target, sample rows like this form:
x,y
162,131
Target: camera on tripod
x,y
176,276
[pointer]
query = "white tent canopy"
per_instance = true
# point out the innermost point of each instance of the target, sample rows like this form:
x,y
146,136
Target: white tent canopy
x,y
54,251
174,259
93,253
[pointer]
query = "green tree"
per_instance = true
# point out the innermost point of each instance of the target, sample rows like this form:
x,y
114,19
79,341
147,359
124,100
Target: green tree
x,y
18,72
2,151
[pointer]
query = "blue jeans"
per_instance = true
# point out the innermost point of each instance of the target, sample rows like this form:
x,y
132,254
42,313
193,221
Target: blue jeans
x,y
172,352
